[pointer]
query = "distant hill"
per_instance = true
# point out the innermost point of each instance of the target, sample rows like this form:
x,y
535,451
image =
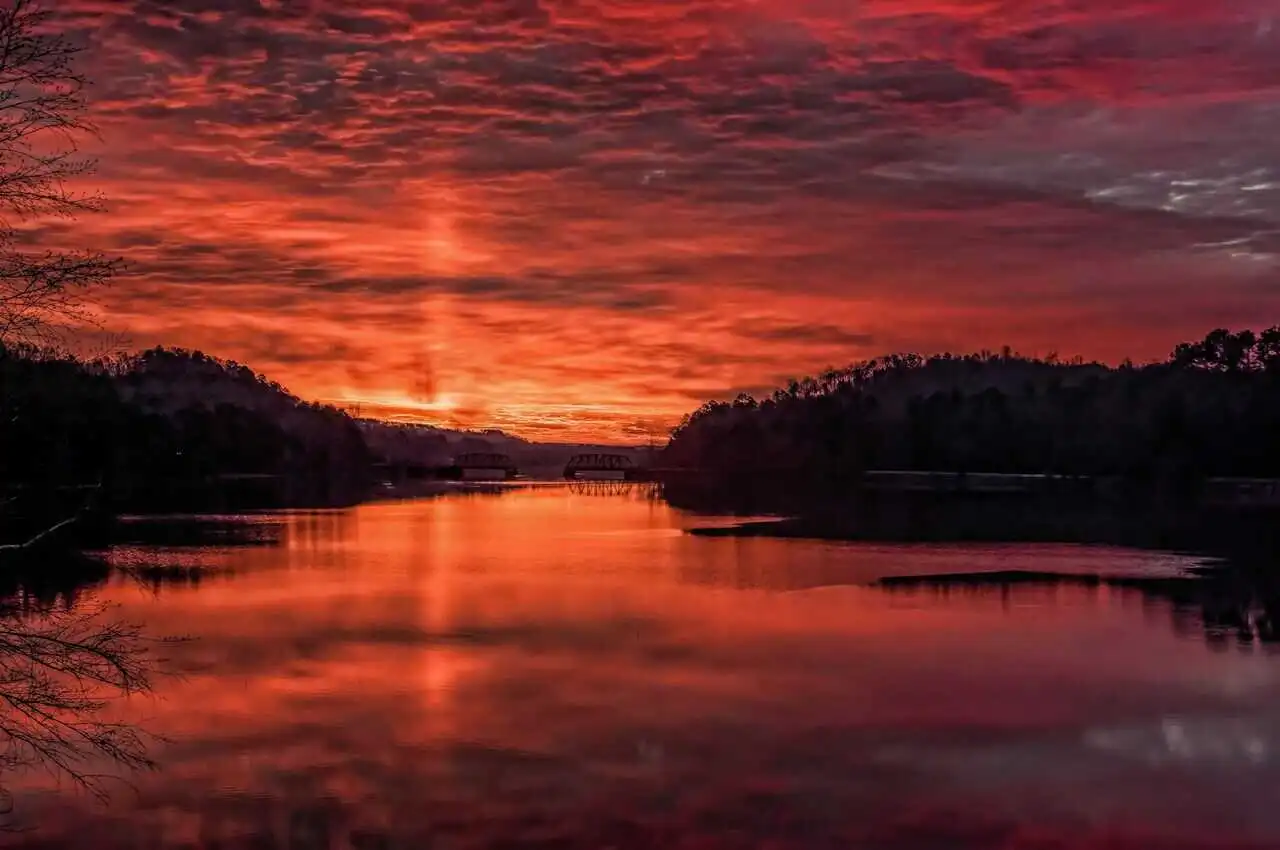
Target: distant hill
x,y
398,442
170,421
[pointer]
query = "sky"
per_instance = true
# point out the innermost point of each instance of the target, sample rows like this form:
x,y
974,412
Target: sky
x,y
580,219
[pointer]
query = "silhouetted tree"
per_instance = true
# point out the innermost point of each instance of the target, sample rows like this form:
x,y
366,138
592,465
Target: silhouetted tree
x,y
42,113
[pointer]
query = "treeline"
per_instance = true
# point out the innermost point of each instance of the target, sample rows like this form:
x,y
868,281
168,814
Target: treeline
x,y
1211,409
165,424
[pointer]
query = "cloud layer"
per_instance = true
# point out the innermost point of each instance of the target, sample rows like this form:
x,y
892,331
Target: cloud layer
x,y
581,217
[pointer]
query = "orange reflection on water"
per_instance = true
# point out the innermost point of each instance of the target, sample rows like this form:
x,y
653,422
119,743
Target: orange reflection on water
x,y
545,665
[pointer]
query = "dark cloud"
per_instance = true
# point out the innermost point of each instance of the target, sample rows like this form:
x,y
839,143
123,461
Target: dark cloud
x,y
816,334
891,172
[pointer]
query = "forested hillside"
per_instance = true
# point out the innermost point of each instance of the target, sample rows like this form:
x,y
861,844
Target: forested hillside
x,y
1212,408
167,416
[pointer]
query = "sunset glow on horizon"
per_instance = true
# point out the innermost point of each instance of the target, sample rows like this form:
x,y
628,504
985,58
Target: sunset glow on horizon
x,y
580,219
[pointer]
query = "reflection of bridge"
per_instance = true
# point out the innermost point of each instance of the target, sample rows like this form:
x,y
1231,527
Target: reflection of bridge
x,y
586,487
611,465
480,464
616,489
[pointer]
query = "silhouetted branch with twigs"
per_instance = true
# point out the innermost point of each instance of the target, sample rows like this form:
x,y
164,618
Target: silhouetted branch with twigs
x,y
59,671
42,114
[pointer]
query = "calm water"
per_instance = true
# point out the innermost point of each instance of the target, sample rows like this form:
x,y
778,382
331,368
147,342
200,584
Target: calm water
x,y
557,668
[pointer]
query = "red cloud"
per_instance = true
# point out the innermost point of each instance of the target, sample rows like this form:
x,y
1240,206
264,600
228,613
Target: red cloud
x,y
603,210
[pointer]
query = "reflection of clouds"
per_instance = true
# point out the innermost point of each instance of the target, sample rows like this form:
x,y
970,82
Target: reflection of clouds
x,y
547,668
1238,742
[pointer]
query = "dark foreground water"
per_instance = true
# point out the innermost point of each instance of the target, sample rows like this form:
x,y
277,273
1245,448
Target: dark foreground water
x,y
562,667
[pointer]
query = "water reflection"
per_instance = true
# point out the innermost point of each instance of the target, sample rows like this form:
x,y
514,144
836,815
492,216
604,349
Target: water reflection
x,y
1230,604
29,586
204,531
62,663
615,489
558,666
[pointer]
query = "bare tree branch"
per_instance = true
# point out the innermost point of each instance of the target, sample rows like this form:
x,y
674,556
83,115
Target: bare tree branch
x,y
58,673
60,669
42,115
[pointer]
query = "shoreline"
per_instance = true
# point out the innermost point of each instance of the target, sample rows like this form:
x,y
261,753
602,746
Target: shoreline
x,y
1242,535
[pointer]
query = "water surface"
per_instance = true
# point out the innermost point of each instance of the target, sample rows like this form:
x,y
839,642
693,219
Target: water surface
x,y
565,667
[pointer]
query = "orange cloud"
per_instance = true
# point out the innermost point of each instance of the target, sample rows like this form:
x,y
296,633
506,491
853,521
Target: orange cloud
x,y
581,219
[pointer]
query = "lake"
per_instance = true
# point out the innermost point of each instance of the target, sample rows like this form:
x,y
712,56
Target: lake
x,y
563,666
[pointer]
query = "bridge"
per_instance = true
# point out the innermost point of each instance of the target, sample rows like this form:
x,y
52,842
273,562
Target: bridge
x,y
480,462
613,465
